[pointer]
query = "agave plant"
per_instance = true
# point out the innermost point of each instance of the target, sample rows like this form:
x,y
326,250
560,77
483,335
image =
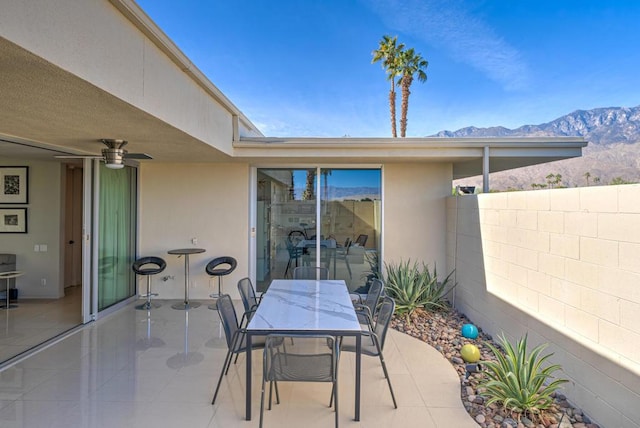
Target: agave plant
x,y
518,381
414,286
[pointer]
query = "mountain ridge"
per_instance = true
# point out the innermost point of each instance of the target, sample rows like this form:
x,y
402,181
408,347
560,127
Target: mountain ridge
x,y
612,155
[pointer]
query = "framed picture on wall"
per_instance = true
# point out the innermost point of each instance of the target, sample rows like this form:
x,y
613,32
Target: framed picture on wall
x,y
13,220
14,184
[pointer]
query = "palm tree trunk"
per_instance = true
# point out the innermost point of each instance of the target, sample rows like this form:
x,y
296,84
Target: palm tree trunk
x,y
392,109
405,84
309,190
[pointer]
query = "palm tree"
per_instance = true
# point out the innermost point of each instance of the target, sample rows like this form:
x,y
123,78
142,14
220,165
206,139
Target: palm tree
x,y
309,188
587,175
388,52
410,64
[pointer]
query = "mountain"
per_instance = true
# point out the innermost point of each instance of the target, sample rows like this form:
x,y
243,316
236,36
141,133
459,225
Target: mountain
x,y
613,153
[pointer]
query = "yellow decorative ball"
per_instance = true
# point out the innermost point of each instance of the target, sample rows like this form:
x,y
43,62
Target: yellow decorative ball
x,y
470,353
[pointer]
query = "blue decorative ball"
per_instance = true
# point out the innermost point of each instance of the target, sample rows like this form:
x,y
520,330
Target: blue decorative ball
x,y
469,331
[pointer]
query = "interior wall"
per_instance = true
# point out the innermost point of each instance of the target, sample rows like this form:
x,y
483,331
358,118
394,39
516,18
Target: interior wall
x,y
43,228
208,202
414,223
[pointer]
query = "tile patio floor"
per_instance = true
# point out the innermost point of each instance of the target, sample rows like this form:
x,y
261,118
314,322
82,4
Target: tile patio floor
x,y
159,369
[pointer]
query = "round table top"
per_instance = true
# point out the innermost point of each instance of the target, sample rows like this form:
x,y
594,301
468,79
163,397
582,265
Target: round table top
x,y
187,251
12,274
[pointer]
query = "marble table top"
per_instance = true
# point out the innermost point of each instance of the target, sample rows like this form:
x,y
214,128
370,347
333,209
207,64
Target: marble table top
x,y
299,306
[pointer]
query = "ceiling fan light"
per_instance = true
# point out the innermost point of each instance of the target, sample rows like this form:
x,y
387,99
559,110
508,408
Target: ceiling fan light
x,y
114,165
113,158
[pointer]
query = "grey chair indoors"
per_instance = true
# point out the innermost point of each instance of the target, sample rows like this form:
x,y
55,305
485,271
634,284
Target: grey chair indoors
x,y
311,359
310,272
373,340
295,253
361,240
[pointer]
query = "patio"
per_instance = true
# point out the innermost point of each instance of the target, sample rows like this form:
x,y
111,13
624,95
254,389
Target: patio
x,y
134,368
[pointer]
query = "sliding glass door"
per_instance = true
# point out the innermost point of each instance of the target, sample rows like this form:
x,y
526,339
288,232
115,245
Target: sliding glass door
x,y
326,217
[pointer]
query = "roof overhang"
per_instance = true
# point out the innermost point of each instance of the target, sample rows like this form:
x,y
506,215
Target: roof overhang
x,y
465,154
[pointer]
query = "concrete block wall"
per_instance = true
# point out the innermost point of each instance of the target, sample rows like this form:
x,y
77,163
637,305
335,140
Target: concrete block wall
x,y
562,266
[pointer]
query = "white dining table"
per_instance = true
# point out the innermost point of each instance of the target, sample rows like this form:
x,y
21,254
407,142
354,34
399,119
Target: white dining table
x,y
306,307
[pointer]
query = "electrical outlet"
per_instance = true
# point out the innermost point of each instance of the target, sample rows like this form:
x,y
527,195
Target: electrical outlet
x,y
43,282
194,241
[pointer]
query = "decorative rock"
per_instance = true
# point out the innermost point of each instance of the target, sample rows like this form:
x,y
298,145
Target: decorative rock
x,y
469,331
480,419
509,423
470,353
442,330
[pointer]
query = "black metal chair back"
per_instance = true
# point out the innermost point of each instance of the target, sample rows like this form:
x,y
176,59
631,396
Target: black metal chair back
x,y
314,358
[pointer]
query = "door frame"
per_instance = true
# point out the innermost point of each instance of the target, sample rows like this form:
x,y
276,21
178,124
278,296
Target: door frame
x,y
253,193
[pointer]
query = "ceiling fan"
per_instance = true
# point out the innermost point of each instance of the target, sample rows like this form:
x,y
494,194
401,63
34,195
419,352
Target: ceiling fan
x,y
113,155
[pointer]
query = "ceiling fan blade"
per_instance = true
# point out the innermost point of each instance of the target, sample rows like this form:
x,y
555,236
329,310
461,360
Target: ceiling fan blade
x,y
137,156
77,157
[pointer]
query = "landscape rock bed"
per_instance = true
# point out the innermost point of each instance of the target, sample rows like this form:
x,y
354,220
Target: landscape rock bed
x,y
441,330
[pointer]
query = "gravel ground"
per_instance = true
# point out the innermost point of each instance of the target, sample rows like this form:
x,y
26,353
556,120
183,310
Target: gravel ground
x,y
441,330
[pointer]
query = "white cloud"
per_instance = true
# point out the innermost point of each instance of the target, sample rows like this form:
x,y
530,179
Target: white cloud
x,y
449,25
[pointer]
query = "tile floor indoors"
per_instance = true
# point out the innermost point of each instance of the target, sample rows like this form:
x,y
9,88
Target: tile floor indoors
x,y
159,368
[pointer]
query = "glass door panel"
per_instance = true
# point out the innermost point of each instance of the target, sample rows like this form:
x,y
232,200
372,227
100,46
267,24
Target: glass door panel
x,y
350,223
116,236
294,208
286,222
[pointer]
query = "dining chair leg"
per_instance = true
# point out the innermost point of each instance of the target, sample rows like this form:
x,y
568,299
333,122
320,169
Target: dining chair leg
x,y
233,346
386,375
262,402
222,373
335,389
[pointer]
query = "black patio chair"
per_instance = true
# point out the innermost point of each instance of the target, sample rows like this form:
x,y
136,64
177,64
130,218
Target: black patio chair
x,y
373,340
312,359
235,336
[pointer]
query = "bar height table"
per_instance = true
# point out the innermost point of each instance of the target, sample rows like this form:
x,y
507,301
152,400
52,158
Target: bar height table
x,y
186,252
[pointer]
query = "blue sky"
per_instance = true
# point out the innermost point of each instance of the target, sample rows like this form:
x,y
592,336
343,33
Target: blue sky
x,y
303,68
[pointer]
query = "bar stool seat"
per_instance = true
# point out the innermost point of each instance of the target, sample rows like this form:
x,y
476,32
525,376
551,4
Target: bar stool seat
x,y
148,266
7,276
219,267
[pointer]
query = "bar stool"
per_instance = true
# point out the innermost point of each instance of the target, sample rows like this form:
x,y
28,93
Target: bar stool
x,y
213,269
7,276
148,266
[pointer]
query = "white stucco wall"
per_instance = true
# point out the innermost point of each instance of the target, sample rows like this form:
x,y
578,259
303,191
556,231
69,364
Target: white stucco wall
x,y
209,202
563,266
97,43
43,218
415,212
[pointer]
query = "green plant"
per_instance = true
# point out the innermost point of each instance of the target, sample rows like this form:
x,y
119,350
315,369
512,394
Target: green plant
x,y
414,287
372,259
518,381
